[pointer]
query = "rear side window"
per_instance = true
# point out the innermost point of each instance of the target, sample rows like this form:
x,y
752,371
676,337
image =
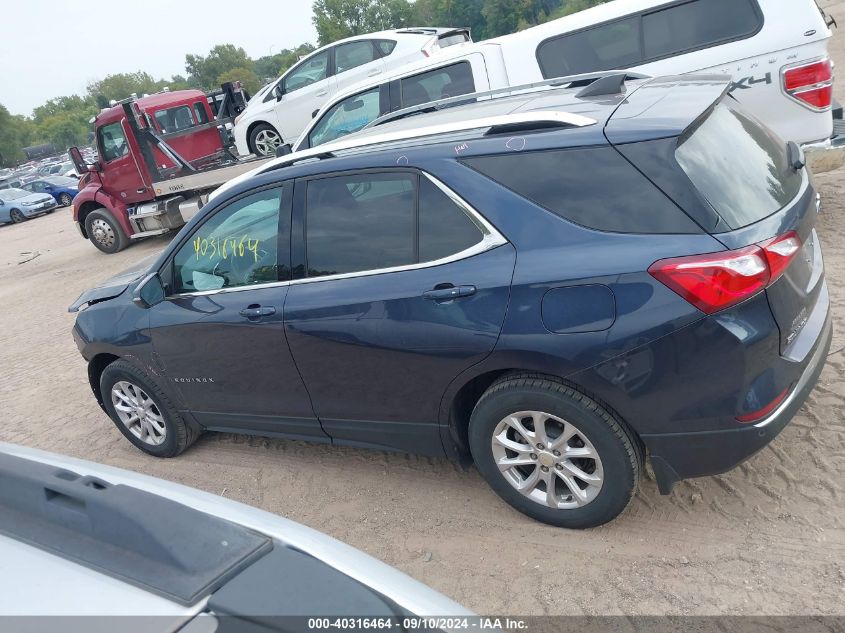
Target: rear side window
x,y
441,83
353,54
738,165
385,47
373,221
697,25
594,187
640,38
175,119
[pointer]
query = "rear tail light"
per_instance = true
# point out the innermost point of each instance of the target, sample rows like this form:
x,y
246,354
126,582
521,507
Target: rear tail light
x,y
716,281
811,84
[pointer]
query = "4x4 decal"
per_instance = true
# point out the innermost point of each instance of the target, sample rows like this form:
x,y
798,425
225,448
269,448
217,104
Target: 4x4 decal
x,y
747,82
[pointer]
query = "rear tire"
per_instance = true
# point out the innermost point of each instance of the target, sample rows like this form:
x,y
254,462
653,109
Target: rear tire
x,y
264,139
529,433
104,231
17,216
143,412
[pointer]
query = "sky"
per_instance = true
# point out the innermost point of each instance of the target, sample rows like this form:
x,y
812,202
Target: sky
x,y
51,48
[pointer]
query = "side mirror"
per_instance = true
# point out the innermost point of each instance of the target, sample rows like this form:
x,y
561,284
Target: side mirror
x,y
149,292
283,150
279,91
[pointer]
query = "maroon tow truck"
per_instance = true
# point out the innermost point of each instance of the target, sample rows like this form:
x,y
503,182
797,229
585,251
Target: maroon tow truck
x,y
159,157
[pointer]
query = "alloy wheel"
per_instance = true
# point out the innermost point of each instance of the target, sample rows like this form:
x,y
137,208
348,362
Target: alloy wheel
x,y
547,459
17,216
138,413
266,142
65,199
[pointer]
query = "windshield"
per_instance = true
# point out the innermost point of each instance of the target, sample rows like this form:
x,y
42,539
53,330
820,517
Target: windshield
x,y
740,166
14,194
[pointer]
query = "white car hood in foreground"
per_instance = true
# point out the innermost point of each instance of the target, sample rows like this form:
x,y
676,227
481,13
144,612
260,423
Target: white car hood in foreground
x,y
33,582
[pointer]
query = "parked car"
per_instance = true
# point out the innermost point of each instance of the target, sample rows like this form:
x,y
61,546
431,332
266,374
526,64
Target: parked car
x,y
457,71
17,205
279,113
775,52
81,539
62,189
551,284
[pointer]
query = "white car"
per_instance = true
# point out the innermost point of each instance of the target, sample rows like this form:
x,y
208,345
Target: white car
x,y
278,113
776,54
81,539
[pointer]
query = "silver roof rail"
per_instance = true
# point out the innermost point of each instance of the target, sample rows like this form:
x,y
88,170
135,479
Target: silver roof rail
x,y
502,122
557,82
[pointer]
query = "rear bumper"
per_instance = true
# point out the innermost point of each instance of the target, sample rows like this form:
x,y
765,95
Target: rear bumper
x,y
826,155
677,456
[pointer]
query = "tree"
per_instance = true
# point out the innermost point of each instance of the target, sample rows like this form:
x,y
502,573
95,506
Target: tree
x,y
204,71
336,19
456,13
121,86
16,132
270,67
249,80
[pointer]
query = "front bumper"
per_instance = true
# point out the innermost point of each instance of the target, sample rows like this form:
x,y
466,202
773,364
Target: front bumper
x,y
38,209
677,456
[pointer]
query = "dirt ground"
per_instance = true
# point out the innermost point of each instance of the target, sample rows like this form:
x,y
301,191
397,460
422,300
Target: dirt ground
x,y
767,538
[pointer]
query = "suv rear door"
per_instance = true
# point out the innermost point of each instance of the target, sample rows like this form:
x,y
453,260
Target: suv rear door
x,y
398,287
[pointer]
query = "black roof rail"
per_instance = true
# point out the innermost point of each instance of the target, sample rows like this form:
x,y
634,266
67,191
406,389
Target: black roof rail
x,y
570,81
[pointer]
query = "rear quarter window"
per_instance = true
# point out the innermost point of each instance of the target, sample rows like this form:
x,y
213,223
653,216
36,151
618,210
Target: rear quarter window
x,y
643,37
738,165
594,187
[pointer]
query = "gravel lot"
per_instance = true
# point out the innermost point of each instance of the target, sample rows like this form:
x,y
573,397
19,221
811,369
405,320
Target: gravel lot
x,y
767,538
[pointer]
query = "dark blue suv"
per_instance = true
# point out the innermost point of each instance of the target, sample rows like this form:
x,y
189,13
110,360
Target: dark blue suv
x,y
551,284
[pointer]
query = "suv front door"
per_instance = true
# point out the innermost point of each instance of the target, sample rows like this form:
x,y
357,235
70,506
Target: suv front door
x,y
401,287
219,335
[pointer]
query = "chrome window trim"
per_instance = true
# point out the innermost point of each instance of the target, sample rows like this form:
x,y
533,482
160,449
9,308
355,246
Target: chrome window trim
x,y
491,238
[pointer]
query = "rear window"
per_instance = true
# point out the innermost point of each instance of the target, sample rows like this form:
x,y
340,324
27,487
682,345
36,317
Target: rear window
x,y
441,83
594,187
738,165
644,37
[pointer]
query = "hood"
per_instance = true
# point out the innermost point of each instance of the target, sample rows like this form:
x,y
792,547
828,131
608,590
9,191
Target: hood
x,y
35,198
113,286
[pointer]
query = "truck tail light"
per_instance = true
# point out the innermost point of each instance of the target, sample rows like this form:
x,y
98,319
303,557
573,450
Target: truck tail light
x,y
811,84
716,281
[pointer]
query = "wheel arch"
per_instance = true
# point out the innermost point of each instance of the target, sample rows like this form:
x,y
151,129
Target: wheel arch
x,y
96,367
252,127
84,209
461,405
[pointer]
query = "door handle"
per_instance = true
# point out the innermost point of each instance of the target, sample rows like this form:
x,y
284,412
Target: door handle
x,y
256,311
321,93
448,293
373,73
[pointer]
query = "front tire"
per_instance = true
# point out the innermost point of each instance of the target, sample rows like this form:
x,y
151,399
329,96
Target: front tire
x,y
65,199
264,139
143,412
104,231
17,216
553,453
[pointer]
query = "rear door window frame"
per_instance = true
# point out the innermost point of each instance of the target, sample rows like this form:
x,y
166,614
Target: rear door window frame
x,y
640,15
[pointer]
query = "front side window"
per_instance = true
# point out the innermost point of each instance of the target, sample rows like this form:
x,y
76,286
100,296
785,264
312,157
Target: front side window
x,y
353,54
313,69
442,83
174,119
346,117
238,246
375,221
112,142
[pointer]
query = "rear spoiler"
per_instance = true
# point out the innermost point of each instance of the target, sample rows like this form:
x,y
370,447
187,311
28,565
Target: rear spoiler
x,y
665,107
